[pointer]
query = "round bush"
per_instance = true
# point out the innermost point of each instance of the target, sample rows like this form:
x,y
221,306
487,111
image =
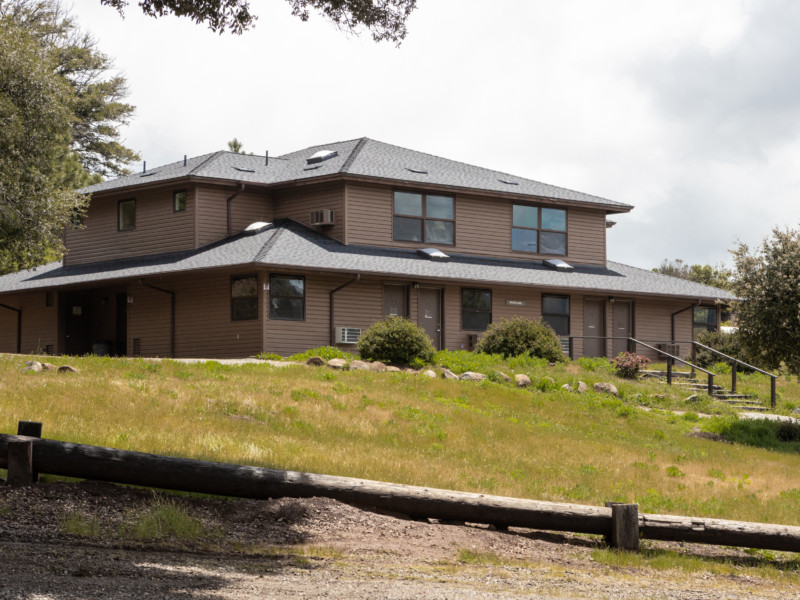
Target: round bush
x,y
520,336
396,340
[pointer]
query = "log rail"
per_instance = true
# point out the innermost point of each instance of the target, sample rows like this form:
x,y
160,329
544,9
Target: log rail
x,y
622,524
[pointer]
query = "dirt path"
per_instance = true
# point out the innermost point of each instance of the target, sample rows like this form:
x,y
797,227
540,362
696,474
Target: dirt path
x,y
320,548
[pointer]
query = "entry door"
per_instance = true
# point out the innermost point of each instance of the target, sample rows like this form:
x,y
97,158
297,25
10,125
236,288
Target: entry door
x,y
77,324
430,314
593,326
395,301
622,326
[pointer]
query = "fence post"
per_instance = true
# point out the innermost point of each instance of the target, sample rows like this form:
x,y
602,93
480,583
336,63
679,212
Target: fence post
x,y
669,372
711,385
733,376
20,463
624,526
30,429
772,391
694,358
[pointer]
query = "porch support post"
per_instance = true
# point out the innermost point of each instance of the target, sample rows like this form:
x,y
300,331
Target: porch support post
x,y
19,325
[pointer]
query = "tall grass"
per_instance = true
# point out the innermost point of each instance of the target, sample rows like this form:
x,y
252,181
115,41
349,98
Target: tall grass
x,y
541,443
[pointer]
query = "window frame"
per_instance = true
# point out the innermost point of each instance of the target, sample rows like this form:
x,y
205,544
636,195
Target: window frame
x,y
552,314
539,229
423,218
175,201
119,214
471,310
272,277
697,326
254,298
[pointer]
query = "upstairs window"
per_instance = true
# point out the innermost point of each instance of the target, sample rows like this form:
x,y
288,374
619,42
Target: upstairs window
x,y
179,201
244,298
539,230
287,298
555,312
703,319
424,218
126,215
476,309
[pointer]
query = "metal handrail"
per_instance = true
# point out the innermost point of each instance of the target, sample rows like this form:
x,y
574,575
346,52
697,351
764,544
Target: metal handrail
x,y
735,368
710,375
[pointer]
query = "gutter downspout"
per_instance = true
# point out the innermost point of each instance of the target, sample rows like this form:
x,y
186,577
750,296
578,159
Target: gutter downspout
x,y
228,205
677,312
330,313
171,315
19,325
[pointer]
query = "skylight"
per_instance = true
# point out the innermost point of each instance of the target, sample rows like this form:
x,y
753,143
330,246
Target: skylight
x,y
256,226
320,156
433,254
558,265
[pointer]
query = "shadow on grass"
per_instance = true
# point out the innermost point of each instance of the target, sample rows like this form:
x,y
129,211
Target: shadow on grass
x,y
781,436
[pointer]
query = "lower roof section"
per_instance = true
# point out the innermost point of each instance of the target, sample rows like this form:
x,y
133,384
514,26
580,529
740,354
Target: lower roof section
x,y
286,244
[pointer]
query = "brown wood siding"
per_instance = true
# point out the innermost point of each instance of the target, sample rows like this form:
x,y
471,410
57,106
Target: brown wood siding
x,y
250,207
39,323
653,323
158,228
212,214
298,203
149,320
483,226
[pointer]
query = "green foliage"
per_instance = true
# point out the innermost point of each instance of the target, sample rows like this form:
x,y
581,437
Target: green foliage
x,y
235,145
774,435
461,361
768,281
396,340
595,364
325,352
628,364
519,336
385,20
727,343
715,276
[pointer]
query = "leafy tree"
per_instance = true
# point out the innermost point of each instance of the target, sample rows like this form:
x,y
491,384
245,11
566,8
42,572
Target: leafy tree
x,y
768,281
97,107
235,146
715,276
35,128
385,19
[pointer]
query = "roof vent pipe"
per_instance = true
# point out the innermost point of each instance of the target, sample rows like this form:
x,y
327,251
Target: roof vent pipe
x,y
266,159
144,166
184,160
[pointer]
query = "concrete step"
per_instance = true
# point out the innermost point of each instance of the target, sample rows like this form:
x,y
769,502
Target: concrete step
x,y
749,408
663,374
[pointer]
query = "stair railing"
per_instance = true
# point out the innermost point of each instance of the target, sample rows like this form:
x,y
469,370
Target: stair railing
x,y
735,362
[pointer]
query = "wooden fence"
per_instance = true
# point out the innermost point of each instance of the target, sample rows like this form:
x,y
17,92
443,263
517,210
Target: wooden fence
x,y
26,455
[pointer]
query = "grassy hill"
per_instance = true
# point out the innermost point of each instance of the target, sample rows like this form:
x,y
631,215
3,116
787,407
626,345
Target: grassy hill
x,y
490,437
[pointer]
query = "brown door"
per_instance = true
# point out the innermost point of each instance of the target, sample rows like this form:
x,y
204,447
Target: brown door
x,y
430,314
593,328
77,323
622,326
395,301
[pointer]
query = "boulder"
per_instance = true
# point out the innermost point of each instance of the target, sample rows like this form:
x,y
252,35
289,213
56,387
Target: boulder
x,y
429,373
33,365
566,387
359,365
503,376
472,376
316,361
582,387
337,363
522,380
448,374
67,369
377,366
606,388
392,370
49,367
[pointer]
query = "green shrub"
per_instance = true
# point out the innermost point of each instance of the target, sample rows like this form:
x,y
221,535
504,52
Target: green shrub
x,y
727,343
396,340
627,365
520,336
324,352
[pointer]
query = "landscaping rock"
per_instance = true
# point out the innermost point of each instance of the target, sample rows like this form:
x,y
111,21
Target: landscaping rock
x,y
33,365
448,374
606,388
522,380
316,361
503,376
566,387
582,387
692,398
67,369
337,363
359,365
49,367
429,373
392,370
377,366
472,376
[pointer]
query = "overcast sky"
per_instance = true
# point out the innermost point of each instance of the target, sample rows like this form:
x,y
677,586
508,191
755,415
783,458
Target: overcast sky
x,y
688,110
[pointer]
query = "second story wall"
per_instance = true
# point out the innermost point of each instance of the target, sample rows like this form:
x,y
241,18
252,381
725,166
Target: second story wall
x,y
157,227
482,226
298,203
247,207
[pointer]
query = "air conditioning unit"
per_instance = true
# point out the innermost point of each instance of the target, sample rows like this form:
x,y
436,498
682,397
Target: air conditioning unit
x,y
322,217
347,335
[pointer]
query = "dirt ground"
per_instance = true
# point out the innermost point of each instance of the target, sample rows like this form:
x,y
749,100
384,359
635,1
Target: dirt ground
x,y
320,548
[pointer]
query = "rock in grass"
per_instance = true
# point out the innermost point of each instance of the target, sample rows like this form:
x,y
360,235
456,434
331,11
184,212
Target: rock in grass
x,y
316,361
429,373
606,388
582,387
49,367
692,398
392,369
503,376
448,374
67,369
566,387
522,380
359,365
472,376
377,366
33,365
337,363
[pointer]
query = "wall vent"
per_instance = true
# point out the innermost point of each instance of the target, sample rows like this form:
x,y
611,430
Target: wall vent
x,y
322,217
49,299
50,349
137,346
347,335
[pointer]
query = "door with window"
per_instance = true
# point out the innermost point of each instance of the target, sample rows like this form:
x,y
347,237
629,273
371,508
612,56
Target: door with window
x,y
430,314
395,300
623,326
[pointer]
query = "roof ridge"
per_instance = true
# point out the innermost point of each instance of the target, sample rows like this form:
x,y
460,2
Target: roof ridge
x,y
262,253
354,154
213,156
320,146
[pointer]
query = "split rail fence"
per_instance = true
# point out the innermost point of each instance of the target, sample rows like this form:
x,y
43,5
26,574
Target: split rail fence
x,y
28,454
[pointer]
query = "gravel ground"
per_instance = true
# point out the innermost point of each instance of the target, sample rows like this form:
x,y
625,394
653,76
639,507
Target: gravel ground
x,y
319,548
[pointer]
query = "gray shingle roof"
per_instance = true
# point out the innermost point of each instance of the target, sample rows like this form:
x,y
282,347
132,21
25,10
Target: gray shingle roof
x,y
289,245
361,157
